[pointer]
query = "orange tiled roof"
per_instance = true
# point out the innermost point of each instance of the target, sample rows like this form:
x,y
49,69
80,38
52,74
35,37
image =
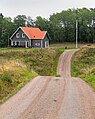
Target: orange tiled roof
x,y
34,33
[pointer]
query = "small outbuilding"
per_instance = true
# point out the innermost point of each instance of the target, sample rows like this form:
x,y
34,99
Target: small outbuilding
x,y
30,37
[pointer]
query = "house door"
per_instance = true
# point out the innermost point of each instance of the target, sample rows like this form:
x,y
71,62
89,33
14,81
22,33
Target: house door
x,y
17,44
46,44
27,44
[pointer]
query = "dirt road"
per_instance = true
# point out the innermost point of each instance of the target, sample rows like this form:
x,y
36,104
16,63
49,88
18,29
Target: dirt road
x,y
48,97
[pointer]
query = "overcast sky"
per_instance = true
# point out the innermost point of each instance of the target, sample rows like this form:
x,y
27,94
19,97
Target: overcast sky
x,y
42,8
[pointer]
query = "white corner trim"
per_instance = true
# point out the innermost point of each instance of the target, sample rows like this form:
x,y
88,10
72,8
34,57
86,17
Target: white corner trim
x,y
30,43
41,44
23,35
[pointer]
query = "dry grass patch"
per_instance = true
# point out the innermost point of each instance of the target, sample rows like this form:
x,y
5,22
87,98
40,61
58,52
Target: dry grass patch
x,y
13,75
17,67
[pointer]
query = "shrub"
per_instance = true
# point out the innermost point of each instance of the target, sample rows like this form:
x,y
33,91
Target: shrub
x,y
6,77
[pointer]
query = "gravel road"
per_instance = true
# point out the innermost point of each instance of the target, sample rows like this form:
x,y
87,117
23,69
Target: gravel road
x,y
48,97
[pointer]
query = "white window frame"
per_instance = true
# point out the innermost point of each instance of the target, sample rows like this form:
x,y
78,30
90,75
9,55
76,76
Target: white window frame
x,y
17,35
37,44
23,35
11,43
15,43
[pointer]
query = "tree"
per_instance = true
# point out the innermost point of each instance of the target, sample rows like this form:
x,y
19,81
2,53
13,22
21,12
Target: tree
x,y
60,26
20,20
1,19
42,23
7,30
30,22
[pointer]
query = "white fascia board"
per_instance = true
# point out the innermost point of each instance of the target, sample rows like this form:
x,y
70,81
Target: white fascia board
x,y
25,33
47,34
17,31
14,33
44,34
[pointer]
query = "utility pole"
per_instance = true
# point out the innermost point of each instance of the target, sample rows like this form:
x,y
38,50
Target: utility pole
x,y
8,40
76,33
93,26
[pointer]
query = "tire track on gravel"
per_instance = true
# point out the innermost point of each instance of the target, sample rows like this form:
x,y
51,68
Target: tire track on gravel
x,y
76,103
48,105
18,103
48,97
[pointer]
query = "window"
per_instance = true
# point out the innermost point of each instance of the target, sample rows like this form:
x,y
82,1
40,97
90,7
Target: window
x,y
17,35
37,44
23,35
13,43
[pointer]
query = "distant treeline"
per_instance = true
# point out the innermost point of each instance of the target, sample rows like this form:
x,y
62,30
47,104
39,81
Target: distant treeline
x,y
60,26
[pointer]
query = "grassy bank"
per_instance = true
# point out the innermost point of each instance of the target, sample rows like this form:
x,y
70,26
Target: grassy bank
x,y
60,51
83,65
17,67
13,75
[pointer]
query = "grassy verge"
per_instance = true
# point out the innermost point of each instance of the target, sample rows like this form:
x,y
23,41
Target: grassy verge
x,y
17,67
83,65
55,64
10,48
41,61
13,75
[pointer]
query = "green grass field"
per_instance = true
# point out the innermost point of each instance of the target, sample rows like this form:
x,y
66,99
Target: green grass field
x,y
83,65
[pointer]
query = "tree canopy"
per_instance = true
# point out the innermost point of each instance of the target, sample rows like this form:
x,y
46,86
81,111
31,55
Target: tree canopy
x,y
60,26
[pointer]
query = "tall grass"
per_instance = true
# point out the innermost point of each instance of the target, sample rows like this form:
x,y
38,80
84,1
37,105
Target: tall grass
x,y
83,65
13,75
17,67
40,60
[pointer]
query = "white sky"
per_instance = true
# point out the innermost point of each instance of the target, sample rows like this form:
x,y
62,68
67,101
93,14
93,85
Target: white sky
x,y
42,8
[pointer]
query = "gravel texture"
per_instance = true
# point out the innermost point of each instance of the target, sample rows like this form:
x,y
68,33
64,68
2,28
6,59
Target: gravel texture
x,y
48,97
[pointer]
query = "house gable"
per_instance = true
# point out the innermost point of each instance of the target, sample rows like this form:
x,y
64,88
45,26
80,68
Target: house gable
x,y
19,35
